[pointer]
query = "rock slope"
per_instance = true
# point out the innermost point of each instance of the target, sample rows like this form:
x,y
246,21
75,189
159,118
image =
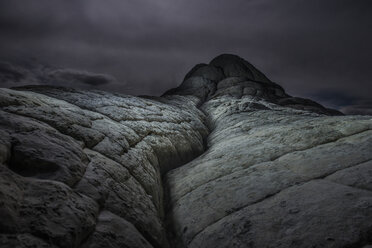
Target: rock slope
x,y
84,168
227,159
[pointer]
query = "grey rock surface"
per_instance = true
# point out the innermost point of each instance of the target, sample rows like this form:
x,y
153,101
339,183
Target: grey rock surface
x,y
227,159
68,156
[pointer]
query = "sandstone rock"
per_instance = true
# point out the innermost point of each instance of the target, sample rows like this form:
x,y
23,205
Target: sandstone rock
x,y
227,159
112,231
308,215
263,141
359,176
22,241
108,151
46,209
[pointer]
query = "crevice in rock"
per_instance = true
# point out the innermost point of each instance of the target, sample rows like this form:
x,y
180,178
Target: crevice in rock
x,y
63,131
168,221
147,235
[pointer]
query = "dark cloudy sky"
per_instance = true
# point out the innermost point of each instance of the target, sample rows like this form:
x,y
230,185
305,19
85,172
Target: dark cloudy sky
x,y
315,48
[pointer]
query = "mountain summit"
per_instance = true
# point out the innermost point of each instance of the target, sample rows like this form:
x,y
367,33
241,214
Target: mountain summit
x,y
230,75
227,159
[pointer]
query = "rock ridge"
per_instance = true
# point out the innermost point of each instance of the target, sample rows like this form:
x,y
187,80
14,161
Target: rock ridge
x,y
231,75
227,159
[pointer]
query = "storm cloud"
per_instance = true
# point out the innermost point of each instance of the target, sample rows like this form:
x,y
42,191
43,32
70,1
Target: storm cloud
x,y
308,47
34,73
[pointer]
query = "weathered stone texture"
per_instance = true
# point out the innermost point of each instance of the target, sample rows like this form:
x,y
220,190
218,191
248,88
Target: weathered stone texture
x,y
67,156
227,159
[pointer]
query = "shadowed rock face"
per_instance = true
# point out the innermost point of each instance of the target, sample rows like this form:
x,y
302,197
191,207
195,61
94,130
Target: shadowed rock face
x,y
227,159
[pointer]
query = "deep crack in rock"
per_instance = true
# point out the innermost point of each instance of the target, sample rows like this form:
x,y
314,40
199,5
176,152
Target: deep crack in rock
x,y
227,159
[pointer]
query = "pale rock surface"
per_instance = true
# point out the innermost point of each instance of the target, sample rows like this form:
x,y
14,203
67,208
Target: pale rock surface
x,y
72,162
267,148
227,159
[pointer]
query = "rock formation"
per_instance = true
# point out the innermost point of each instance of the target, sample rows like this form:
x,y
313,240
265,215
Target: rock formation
x,y
227,159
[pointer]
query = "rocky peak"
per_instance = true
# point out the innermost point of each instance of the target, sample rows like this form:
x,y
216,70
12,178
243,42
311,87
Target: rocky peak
x,y
225,159
229,75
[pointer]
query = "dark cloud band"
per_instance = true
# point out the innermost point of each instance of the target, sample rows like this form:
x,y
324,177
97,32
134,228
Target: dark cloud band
x,y
12,75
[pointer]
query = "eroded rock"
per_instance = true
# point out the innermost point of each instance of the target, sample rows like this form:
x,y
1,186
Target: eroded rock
x,y
227,159
67,156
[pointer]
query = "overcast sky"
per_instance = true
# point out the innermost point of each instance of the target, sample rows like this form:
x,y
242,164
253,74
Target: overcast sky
x,y
320,49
